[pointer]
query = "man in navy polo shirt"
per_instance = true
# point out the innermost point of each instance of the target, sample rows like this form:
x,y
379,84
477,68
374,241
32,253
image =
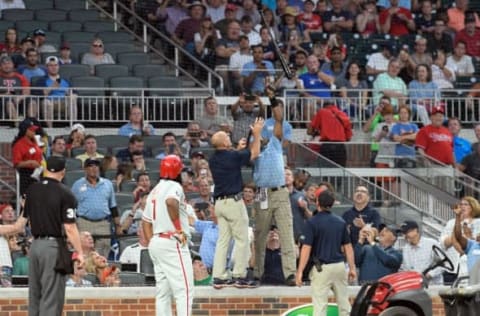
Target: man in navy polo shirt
x,y
360,214
327,242
230,209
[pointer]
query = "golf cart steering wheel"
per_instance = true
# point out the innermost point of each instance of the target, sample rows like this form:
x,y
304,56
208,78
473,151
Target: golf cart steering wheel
x,y
443,260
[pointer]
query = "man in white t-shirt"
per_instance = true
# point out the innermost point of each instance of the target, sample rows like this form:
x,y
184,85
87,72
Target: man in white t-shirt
x,y
132,253
166,229
378,62
459,61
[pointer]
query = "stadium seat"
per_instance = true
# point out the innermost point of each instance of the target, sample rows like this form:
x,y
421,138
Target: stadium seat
x,y
71,176
74,70
85,81
118,47
132,59
153,141
151,163
78,49
68,5
73,164
30,25
82,15
17,14
65,26
97,26
92,278
53,38
50,15
124,198
128,186
114,37
126,86
38,4
112,141
170,86
4,25
148,71
125,241
108,71
131,279
78,36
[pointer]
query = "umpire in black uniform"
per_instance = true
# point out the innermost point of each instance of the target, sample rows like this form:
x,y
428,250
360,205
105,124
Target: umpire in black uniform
x,y
50,207
327,240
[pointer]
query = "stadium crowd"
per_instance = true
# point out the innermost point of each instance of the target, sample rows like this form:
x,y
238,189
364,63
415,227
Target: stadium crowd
x,y
281,205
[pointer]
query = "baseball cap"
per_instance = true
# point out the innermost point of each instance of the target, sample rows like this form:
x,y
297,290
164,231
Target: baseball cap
x,y
39,32
56,163
28,124
231,7
28,39
197,154
91,162
78,127
388,46
437,109
5,59
65,45
52,59
290,11
392,228
408,225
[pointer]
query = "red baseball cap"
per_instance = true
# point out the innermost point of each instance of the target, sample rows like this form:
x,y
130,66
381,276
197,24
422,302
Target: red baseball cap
x,y
437,109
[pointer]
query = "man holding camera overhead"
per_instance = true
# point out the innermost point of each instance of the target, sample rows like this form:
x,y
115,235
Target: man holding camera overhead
x,y
194,138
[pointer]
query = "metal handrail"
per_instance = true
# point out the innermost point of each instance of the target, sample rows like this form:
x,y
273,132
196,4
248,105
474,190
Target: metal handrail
x,y
148,26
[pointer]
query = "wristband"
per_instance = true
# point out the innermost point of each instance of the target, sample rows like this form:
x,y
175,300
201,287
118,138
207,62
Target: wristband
x,y
176,224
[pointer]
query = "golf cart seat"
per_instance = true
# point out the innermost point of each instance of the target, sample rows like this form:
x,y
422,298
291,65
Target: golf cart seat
x,y
464,301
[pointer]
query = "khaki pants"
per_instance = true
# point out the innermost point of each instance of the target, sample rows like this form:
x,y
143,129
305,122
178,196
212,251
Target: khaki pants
x,y
232,223
333,277
279,210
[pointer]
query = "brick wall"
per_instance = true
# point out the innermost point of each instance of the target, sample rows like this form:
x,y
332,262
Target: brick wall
x,y
247,304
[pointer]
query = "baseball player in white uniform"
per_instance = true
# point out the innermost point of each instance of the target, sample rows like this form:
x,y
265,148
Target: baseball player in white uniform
x,y
165,224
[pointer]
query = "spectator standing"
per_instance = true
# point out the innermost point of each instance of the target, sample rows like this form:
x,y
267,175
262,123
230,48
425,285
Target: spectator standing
x,y
97,55
208,228
360,214
396,20
26,155
461,146
470,35
244,112
274,205
97,208
90,144
377,259
50,229
136,125
300,212
418,254
404,133
165,223
470,246
211,121
229,207
434,140
334,128
327,229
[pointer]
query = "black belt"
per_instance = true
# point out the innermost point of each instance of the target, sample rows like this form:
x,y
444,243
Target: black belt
x,y
93,220
46,237
228,196
277,188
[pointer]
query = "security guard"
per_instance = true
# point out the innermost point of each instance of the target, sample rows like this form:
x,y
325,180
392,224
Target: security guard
x,y
50,207
326,234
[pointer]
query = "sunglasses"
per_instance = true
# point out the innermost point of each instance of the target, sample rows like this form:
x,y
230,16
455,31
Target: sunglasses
x,y
97,45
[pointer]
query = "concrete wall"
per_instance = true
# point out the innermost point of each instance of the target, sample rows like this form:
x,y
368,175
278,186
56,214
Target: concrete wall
x,y
139,301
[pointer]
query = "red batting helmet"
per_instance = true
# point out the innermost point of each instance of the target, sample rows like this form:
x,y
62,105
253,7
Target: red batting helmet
x,y
170,167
